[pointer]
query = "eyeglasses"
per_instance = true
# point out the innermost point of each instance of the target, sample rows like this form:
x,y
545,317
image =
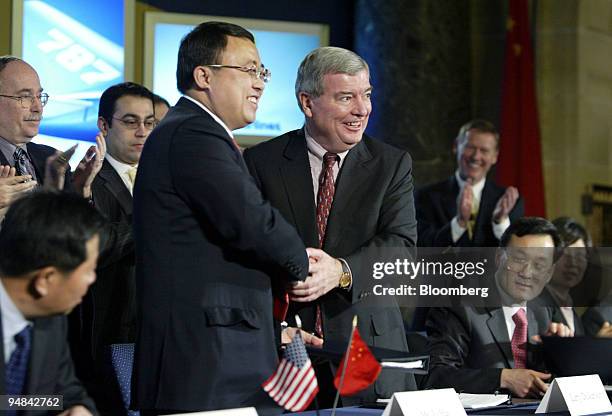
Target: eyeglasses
x,y
519,265
134,123
262,72
27,101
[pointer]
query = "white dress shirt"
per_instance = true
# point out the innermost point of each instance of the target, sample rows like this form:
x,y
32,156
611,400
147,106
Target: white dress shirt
x,y
457,230
315,157
213,115
122,169
13,322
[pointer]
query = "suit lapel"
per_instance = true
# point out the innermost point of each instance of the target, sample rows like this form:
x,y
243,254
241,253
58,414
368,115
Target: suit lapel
x,y
40,337
38,160
297,180
3,160
499,331
487,205
115,185
354,177
449,198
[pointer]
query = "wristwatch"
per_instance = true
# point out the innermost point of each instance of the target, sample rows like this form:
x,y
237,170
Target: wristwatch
x,y
346,280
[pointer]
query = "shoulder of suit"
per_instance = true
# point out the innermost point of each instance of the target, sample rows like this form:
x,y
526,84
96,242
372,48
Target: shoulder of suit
x,y
40,148
272,146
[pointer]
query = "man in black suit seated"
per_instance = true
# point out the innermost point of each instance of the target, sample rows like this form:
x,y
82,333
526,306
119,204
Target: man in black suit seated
x,y
48,250
21,110
108,313
371,205
483,349
468,209
208,246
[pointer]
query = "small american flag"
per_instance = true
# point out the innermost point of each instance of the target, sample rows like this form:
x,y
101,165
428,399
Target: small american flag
x,y
293,385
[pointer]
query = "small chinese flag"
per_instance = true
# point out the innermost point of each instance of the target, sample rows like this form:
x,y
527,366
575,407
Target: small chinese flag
x,y
362,368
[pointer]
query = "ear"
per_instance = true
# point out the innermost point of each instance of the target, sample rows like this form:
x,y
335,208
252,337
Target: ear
x,y
44,280
103,126
499,257
495,157
202,77
305,100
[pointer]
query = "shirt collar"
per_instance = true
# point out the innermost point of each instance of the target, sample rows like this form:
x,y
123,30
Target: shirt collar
x,y
120,167
13,321
319,151
213,115
476,187
8,149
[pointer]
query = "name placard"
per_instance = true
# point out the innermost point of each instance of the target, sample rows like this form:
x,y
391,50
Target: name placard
x,y
443,402
579,395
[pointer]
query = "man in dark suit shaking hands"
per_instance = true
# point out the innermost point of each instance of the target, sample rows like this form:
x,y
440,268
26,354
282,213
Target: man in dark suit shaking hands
x,y
344,192
49,245
208,246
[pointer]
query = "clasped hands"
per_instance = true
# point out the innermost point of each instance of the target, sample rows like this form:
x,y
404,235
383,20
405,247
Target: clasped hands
x,y
324,274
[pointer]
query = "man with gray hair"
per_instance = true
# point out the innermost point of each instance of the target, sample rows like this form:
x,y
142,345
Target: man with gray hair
x,y
344,192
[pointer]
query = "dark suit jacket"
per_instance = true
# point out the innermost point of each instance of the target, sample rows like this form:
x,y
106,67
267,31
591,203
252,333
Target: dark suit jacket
x,y
470,346
372,207
436,205
207,248
107,314
545,299
50,369
38,154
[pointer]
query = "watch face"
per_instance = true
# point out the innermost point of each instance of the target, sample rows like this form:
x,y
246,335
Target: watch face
x,y
345,280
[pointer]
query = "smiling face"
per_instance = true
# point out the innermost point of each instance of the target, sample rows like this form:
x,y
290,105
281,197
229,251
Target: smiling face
x,y
19,125
526,266
337,118
233,95
476,154
569,270
125,144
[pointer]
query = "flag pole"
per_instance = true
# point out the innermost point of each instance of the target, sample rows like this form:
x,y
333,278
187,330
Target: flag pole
x,y
345,364
298,322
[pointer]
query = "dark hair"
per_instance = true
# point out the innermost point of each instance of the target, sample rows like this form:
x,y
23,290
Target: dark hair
x,y
480,125
6,59
571,231
533,226
158,99
47,228
204,45
111,95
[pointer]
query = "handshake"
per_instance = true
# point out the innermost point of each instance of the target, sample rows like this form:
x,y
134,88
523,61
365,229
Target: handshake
x,y
324,274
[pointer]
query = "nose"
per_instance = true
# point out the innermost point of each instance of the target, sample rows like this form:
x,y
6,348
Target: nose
x,y
142,131
361,107
36,105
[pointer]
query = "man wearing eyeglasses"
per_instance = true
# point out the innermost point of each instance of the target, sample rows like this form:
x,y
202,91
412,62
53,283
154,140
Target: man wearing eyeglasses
x,y
484,349
207,244
106,329
21,110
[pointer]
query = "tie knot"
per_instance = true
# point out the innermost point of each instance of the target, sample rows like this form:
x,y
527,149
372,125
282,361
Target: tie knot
x,y
23,337
131,173
19,154
329,159
519,317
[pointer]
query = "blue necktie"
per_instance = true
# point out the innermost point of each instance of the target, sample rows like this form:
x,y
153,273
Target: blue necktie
x,y
22,163
17,366
122,357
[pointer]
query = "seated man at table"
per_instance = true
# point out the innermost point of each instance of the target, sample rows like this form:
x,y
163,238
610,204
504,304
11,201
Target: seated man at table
x,y
483,349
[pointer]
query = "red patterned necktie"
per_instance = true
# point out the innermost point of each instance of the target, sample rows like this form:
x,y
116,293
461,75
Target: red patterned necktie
x,y
325,198
519,339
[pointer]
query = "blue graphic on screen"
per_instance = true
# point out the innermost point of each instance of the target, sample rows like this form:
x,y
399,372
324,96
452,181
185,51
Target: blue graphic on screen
x,y
77,50
281,52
